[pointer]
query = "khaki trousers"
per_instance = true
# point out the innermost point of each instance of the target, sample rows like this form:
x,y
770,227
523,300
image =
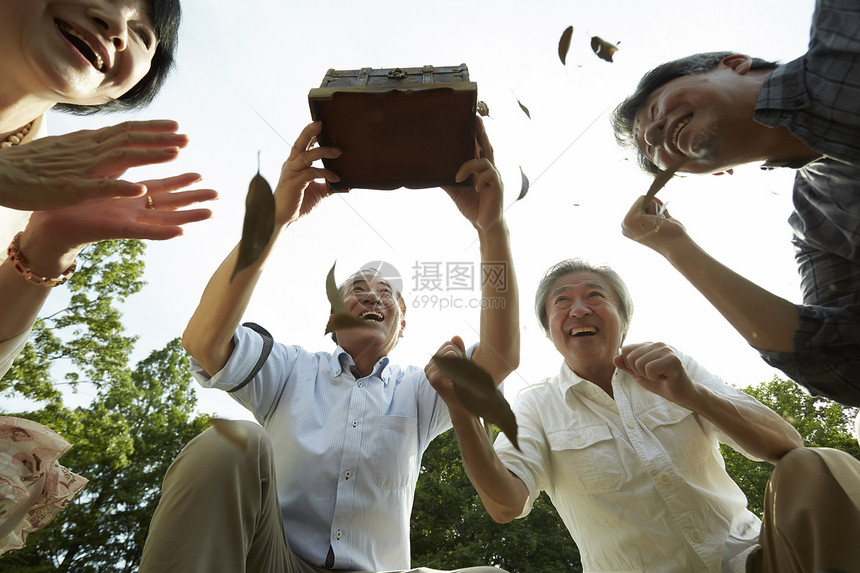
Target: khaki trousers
x,y
812,515
219,510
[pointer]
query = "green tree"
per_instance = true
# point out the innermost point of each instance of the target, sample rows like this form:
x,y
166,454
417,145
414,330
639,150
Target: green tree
x,y
450,527
821,422
86,337
124,440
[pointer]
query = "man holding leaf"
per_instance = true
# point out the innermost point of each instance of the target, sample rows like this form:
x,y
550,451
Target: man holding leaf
x,y
710,112
343,431
627,445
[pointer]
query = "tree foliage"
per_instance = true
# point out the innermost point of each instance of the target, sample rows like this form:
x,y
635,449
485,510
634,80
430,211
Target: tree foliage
x,y
86,337
451,528
124,440
142,415
822,423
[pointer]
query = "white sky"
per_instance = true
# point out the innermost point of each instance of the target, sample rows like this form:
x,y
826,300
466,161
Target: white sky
x,y
239,61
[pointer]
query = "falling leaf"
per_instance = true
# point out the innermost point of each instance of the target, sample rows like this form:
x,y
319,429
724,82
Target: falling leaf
x,y
259,223
340,318
659,182
476,390
564,44
602,48
525,184
525,109
234,433
483,109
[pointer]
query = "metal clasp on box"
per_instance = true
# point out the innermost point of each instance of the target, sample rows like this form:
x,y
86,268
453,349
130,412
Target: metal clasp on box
x,y
397,74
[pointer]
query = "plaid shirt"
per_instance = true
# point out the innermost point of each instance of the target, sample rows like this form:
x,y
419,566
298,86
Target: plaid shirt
x,y
817,97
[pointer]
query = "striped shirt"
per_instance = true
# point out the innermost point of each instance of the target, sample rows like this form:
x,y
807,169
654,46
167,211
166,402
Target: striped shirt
x,y
817,97
347,448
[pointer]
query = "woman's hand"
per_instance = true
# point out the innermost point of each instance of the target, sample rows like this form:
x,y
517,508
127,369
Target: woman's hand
x,y
69,169
53,236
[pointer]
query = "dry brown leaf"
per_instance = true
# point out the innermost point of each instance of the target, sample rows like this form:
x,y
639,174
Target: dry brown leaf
x,y
564,44
483,109
659,182
340,318
476,390
259,223
525,109
602,48
524,188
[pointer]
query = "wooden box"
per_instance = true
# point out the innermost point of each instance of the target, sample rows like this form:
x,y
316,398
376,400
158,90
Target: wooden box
x,y
409,127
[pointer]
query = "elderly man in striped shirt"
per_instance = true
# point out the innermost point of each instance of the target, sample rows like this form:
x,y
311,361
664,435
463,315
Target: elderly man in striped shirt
x,y
342,431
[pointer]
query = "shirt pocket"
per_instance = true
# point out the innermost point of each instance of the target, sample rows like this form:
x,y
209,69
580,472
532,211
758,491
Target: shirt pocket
x,y
680,432
586,459
395,451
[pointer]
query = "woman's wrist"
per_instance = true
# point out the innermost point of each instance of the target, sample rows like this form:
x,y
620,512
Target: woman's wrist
x,y
43,258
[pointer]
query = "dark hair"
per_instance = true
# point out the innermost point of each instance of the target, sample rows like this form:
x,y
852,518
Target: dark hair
x,y
567,266
624,115
166,15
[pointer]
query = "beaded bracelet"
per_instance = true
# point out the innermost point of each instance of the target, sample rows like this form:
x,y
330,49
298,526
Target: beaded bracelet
x,y
24,270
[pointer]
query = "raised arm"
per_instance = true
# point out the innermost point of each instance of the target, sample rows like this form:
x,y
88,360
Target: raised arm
x,y
209,334
63,170
757,429
766,321
483,205
55,236
503,494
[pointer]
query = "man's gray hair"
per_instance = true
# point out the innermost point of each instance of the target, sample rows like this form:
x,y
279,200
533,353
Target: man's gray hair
x,y
565,267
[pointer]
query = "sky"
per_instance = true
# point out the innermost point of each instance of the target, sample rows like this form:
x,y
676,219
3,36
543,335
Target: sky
x,y
240,88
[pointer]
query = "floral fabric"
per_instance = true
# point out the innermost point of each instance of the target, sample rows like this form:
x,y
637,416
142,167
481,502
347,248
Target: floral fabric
x,y
28,455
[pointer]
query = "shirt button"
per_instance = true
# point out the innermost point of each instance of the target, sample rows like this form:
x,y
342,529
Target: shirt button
x,y
354,423
580,441
696,535
348,474
360,384
630,424
339,534
665,479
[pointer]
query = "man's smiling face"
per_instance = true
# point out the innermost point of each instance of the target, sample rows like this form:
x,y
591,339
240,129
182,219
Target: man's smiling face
x,y
698,122
369,297
585,324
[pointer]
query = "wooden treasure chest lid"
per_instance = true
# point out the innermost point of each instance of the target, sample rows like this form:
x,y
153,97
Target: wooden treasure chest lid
x,y
400,127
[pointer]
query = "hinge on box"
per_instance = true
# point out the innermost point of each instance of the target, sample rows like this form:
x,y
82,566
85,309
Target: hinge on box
x,y
363,74
397,74
428,74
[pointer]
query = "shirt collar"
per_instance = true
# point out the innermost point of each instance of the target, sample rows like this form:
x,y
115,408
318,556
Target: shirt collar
x,y
572,383
569,379
340,360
